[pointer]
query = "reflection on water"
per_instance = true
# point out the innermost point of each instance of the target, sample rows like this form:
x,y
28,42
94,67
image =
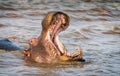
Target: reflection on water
x,y
95,26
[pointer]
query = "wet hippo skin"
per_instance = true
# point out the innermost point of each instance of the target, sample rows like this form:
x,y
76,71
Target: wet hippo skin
x,y
47,48
6,44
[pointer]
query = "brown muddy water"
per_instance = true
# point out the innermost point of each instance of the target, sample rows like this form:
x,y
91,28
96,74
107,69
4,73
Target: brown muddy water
x,y
95,26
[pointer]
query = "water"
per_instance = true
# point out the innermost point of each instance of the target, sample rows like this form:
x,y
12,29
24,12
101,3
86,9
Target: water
x,y
95,26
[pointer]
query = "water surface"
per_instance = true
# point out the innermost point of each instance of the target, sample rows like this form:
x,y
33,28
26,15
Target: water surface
x,y
95,26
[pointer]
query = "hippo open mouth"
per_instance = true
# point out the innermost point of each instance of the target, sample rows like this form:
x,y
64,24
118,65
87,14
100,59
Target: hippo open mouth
x,y
58,26
47,47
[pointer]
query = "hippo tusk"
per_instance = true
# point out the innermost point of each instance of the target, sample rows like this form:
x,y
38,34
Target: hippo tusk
x,y
73,57
80,51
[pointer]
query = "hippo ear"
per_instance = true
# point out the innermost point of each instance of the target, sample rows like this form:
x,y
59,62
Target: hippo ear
x,y
47,20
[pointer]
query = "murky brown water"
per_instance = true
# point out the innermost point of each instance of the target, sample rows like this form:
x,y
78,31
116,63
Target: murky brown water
x,y
95,26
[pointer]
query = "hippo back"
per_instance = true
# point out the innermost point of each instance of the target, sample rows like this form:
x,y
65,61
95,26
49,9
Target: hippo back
x,y
6,44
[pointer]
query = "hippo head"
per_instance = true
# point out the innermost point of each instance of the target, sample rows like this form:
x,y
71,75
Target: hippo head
x,y
47,47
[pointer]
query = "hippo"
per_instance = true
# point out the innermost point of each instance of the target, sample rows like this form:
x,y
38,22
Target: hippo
x,y
7,45
47,48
